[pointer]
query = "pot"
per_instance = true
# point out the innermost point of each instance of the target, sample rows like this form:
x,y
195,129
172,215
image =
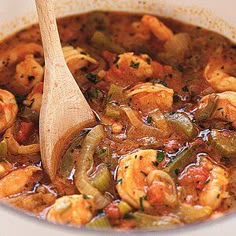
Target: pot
x,y
218,16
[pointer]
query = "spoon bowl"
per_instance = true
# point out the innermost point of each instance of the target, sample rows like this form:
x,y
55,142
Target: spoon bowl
x,y
65,111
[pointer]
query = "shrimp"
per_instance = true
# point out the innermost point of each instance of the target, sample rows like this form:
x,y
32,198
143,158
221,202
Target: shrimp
x,y
141,31
74,209
33,203
19,180
208,180
5,167
28,73
8,110
151,96
18,53
137,64
34,99
224,106
130,68
140,184
77,58
215,190
217,75
161,189
161,31
15,148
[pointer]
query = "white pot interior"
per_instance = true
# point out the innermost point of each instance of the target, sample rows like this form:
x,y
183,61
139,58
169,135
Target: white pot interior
x,y
218,16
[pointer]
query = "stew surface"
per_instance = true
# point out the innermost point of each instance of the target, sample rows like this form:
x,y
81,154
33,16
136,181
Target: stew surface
x,y
163,152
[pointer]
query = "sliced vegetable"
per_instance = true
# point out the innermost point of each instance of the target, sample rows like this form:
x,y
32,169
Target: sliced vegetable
x,y
180,161
101,40
124,207
112,111
102,178
149,221
84,163
3,148
160,121
115,93
99,222
224,141
205,112
139,128
15,148
178,45
30,115
181,123
67,162
189,213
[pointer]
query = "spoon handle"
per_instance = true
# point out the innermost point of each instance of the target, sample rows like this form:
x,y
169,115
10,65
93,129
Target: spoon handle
x,y
51,41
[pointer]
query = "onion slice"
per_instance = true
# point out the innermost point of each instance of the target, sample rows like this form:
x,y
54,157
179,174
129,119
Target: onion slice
x,y
84,161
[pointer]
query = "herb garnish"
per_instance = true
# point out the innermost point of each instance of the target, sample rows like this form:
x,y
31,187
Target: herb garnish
x,y
85,196
102,151
134,65
149,120
142,172
155,163
185,89
95,93
92,78
148,60
180,68
141,202
160,156
119,181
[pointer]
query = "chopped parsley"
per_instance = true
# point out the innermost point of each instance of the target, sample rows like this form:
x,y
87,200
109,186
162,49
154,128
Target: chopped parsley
x,y
141,202
95,93
176,98
160,156
142,172
85,196
92,78
176,172
119,181
134,65
163,83
180,68
149,120
31,78
155,163
148,60
102,151
185,89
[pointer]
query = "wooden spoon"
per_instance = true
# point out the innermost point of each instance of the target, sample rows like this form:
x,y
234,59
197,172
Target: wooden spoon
x,y
64,110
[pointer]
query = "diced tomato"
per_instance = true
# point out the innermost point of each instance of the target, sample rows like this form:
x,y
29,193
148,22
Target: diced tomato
x,y
113,212
156,194
172,145
38,88
25,130
109,57
195,176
